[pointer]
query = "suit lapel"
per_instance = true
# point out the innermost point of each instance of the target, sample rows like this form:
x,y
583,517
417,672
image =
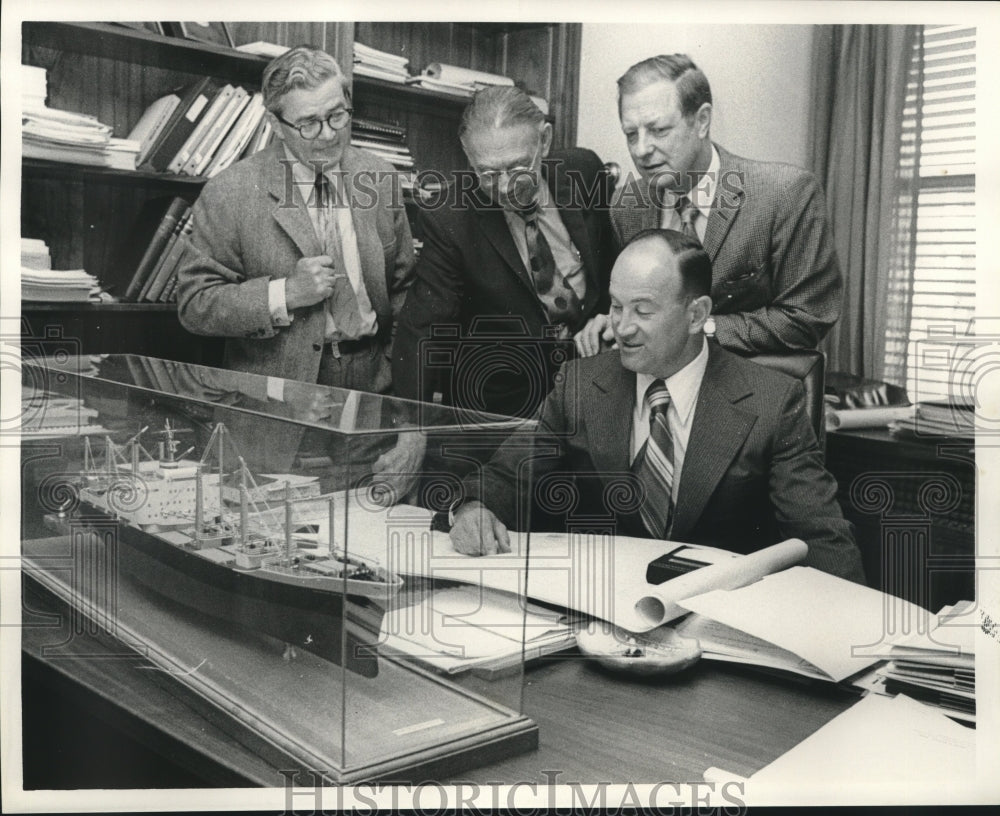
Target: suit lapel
x,y
494,227
718,431
725,208
290,207
366,232
607,403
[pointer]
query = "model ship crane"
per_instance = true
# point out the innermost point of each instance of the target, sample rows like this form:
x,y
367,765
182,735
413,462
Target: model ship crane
x,y
169,457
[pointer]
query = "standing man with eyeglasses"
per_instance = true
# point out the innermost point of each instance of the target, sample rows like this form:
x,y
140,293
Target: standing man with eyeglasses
x,y
301,254
516,258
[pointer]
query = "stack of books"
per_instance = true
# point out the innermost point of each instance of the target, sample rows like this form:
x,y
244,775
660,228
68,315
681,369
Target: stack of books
x,y
371,62
956,420
938,668
201,130
387,140
39,281
458,81
155,277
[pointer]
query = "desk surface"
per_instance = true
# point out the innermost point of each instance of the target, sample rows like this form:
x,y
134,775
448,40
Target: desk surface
x,y
592,726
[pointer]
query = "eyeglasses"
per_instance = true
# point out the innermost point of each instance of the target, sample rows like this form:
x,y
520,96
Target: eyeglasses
x,y
493,177
310,130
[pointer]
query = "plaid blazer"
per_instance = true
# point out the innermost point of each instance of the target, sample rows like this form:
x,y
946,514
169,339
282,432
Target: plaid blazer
x,y
776,284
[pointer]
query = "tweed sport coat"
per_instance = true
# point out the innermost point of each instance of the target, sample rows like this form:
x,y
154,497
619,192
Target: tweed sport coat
x,y
471,277
776,284
251,225
753,473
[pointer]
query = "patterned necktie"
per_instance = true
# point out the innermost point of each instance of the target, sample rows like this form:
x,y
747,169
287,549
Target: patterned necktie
x,y
343,302
654,465
559,298
687,213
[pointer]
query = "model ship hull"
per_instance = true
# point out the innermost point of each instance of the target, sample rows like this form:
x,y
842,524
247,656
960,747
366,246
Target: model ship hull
x,y
342,629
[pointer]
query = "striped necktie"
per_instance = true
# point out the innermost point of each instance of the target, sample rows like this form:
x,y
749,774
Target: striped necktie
x,y
343,301
557,296
687,213
654,466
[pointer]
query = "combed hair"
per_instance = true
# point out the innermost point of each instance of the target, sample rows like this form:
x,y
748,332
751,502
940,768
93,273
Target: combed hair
x,y
300,67
499,106
693,262
692,85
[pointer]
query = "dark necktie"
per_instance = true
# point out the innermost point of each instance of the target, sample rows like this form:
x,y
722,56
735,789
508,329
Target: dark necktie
x,y
687,213
654,466
559,298
343,301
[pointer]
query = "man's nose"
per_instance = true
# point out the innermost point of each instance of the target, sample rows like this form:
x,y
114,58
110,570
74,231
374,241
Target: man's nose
x,y
643,144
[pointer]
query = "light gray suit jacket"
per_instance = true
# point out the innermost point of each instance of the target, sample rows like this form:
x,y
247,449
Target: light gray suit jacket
x,y
776,285
251,225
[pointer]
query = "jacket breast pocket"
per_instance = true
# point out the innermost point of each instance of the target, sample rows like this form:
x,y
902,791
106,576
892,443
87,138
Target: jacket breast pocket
x,y
744,292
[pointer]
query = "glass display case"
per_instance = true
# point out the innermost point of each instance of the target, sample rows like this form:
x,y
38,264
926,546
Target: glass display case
x,y
271,545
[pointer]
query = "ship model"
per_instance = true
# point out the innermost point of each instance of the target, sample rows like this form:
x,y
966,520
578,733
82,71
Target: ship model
x,y
199,535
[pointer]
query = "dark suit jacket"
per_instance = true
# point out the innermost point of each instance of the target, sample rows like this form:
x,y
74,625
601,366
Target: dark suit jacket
x,y
776,284
471,277
251,225
753,474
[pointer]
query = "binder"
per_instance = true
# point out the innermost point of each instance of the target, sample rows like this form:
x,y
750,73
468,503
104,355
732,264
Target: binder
x,y
165,228
206,150
185,118
151,124
215,107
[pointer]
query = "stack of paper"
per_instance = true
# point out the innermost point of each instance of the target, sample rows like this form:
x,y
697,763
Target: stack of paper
x,y
386,140
939,666
461,628
34,87
456,80
58,285
46,414
939,419
263,49
371,62
64,136
35,254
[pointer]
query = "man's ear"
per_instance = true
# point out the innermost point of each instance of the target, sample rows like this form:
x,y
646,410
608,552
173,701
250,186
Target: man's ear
x,y
703,119
275,125
546,139
699,311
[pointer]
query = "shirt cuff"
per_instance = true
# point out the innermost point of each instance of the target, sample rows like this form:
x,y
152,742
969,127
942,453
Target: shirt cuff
x,y
276,389
276,302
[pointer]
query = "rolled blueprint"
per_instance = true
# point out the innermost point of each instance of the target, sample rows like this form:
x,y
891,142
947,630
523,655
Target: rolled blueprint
x,y
464,76
660,605
845,420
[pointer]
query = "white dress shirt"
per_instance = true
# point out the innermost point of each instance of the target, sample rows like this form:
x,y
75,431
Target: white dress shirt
x,y
683,387
305,179
702,196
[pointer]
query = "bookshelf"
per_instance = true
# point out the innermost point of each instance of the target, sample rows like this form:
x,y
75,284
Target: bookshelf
x,y
114,72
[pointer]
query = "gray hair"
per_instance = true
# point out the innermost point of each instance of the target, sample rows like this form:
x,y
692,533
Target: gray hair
x,y
693,89
499,106
300,67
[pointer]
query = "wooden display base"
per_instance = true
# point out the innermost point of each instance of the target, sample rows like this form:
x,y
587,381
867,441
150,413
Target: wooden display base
x,y
303,714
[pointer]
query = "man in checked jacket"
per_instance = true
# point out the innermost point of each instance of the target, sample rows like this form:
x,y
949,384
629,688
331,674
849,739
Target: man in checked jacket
x,y
776,285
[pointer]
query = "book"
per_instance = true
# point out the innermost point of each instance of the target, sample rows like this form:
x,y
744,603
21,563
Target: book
x,y
159,235
215,107
171,257
204,153
151,124
193,105
236,141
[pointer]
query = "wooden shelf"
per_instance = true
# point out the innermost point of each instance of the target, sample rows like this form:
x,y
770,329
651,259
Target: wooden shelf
x,y
94,308
417,97
42,168
145,48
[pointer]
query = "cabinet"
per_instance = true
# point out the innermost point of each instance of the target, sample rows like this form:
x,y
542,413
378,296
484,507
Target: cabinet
x,y
114,73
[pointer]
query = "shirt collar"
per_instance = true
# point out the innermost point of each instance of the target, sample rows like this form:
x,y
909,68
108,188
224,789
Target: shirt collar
x,y
683,385
306,174
703,193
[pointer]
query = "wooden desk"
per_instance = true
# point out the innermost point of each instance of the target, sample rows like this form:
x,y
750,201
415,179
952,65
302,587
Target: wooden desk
x,y
592,726
913,504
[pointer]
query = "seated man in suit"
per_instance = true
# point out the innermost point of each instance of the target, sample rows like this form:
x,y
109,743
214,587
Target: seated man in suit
x,y
776,285
302,253
516,257
715,449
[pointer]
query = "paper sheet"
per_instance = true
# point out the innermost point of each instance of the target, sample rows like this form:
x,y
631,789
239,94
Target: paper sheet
x,y
880,417
838,626
877,740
